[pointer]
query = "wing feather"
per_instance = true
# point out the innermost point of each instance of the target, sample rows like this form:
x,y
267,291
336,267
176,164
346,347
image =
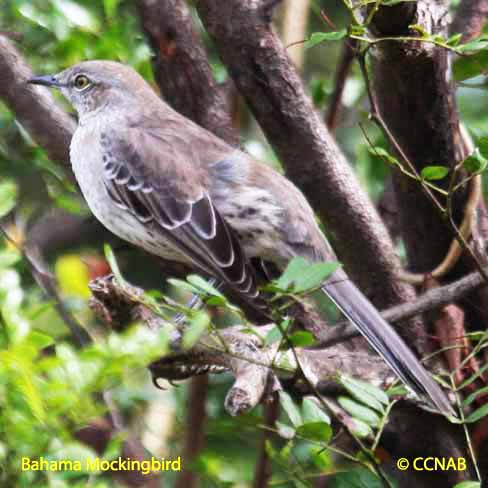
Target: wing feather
x,y
158,185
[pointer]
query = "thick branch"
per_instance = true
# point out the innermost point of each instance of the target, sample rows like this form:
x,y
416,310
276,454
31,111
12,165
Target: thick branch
x,y
471,16
416,101
34,107
182,69
430,300
265,76
256,367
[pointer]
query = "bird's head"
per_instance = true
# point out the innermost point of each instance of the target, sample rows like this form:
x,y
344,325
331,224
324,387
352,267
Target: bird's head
x,y
92,86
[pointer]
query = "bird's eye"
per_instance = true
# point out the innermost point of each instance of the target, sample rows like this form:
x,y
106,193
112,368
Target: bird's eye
x,y
81,82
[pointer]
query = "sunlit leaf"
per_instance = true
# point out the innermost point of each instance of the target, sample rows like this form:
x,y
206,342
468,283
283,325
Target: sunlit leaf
x,y
319,37
77,15
475,162
285,431
468,484
359,411
301,276
112,262
290,409
432,173
384,154
203,285
9,258
302,338
73,276
8,195
360,428
366,393
199,323
311,412
317,431
475,45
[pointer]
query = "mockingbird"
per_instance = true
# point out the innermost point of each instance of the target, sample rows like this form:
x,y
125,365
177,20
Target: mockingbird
x,y
161,182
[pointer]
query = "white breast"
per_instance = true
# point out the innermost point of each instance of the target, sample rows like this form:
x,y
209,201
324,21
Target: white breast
x,y
86,159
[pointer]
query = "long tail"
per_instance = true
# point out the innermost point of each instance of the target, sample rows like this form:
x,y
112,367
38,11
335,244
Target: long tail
x,y
383,338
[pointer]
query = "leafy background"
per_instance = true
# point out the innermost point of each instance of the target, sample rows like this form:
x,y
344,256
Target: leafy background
x,y
45,398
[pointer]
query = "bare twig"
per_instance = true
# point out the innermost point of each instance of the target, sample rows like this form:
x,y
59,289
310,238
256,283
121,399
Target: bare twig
x,y
431,300
375,115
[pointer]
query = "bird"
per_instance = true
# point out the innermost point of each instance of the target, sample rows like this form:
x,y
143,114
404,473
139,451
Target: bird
x,y
163,183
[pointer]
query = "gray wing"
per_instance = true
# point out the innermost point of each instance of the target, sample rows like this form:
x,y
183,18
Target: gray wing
x,y
150,173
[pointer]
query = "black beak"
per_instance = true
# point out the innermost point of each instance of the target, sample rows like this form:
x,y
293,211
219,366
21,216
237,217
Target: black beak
x,y
47,80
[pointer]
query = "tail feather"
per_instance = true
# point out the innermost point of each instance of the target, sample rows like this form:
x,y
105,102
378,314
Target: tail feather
x,y
383,338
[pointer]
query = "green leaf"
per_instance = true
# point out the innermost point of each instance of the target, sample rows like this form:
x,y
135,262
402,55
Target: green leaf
x,y
302,338
8,195
8,258
311,412
420,29
431,173
285,431
469,399
475,45
292,272
38,340
199,323
112,262
300,275
290,408
313,276
319,37
358,478
184,285
384,154
77,15
360,428
454,40
468,484
482,144
274,335
366,393
467,67
110,7
359,411
316,431
477,414
475,162
203,285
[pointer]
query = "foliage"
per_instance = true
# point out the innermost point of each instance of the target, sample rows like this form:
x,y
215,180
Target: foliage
x,y
49,388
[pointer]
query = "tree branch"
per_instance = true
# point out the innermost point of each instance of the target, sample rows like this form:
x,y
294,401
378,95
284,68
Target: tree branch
x,y
182,69
264,75
430,300
471,16
34,107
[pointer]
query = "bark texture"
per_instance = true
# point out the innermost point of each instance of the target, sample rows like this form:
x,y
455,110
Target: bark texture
x,y
265,76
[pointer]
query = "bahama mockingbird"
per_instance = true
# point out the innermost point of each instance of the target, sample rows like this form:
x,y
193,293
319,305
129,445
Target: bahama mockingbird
x,y
161,182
